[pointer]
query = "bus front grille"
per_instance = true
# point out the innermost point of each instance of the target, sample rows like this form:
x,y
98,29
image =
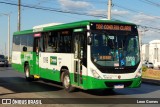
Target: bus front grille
x,y
118,71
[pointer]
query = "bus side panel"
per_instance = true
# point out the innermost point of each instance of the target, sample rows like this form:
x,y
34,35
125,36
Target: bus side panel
x,y
50,64
50,74
20,58
16,61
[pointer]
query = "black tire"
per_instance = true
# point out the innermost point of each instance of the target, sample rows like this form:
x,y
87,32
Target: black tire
x,y
6,65
27,74
67,82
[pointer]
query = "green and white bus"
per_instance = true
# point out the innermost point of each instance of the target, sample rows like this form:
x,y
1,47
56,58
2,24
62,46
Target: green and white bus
x,y
91,54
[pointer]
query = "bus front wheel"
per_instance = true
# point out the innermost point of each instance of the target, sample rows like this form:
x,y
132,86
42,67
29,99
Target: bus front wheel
x,y
67,82
27,74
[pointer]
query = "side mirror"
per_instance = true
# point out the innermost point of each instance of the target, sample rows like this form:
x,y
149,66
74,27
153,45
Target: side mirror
x,y
24,49
89,40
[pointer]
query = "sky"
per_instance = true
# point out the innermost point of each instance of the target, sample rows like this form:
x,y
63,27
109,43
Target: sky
x,y
145,13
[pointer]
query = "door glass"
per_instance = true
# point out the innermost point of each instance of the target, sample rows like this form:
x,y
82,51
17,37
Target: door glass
x,y
76,47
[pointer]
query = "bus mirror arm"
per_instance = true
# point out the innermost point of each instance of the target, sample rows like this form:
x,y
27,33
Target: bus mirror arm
x,y
89,40
24,49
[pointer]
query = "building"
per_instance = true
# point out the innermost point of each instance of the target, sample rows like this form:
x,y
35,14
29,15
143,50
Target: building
x,y
151,52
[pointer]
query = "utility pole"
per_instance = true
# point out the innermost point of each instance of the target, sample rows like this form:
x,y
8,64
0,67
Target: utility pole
x,y
19,15
8,15
5,49
8,37
109,9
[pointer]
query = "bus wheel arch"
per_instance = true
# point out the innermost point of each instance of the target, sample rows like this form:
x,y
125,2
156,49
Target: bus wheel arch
x,y
63,69
66,81
27,72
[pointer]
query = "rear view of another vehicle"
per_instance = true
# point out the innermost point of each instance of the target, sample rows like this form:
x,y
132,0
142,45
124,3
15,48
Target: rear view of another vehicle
x,y
3,61
149,65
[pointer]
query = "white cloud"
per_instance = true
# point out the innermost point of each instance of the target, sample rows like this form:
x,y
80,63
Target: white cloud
x,y
74,5
104,12
119,12
149,36
97,12
148,21
142,18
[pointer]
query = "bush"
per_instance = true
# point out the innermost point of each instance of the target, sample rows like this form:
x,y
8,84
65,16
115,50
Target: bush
x,y
144,68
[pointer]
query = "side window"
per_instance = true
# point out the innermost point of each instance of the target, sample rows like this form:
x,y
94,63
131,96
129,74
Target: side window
x,y
54,39
16,43
50,42
23,42
27,41
64,45
57,42
30,42
45,36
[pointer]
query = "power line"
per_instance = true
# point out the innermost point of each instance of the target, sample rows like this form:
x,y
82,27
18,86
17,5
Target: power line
x,y
62,11
150,2
157,30
135,11
52,9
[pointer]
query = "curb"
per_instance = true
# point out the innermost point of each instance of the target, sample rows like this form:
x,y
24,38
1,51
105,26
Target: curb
x,y
151,81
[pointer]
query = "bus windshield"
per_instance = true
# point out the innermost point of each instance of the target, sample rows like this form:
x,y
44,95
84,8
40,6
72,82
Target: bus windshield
x,y
115,49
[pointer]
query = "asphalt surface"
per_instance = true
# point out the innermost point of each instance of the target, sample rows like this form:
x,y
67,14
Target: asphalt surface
x,y
14,85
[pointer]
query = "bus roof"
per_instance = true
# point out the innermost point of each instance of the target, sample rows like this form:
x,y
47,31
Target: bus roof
x,y
68,25
46,25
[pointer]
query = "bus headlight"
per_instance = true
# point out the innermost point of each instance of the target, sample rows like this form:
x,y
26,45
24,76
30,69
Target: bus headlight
x,y
95,74
139,73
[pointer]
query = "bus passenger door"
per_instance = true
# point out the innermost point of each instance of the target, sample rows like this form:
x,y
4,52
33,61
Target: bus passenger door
x,y
78,51
36,55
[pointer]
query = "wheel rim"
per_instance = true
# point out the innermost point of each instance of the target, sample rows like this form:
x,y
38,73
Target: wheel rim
x,y
27,73
66,81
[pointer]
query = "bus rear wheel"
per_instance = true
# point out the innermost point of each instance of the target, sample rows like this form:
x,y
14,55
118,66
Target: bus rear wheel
x,y
67,82
27,74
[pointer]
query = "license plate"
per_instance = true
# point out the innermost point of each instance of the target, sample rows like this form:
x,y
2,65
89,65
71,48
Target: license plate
x,y
119,86
1,62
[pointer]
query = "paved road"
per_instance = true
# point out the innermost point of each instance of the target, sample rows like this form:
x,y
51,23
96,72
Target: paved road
x,y
14,85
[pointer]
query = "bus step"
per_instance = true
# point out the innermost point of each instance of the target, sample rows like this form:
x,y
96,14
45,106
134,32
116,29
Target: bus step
x,y
36,76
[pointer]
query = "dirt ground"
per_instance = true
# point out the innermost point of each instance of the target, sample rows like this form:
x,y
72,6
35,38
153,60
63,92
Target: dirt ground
x,y
151,73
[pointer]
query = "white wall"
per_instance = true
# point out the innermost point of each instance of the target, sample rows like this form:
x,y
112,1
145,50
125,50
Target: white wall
x,y
151,52
145,52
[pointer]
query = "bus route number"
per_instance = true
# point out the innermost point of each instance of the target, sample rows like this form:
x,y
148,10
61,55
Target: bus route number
x,y
113,27
99,26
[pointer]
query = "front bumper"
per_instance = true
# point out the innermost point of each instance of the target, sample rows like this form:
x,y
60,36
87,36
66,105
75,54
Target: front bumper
x,y
103,84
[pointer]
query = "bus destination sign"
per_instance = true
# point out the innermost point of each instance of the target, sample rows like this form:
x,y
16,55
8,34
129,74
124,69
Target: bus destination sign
x,y
105,26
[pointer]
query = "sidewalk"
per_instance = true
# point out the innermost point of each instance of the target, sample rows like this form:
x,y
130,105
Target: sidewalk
x,y
151,81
